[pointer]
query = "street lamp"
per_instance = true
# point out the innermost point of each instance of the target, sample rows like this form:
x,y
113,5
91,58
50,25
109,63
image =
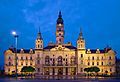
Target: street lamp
x,y
16,37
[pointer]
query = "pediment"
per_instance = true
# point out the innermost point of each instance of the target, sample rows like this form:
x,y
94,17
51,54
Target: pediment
x,y
60,48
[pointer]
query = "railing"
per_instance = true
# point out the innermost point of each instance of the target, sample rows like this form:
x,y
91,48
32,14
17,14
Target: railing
x,y
59,65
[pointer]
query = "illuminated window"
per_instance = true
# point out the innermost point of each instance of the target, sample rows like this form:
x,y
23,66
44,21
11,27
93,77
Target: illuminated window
x,y
101,70
21,63
60,60
47,60
88,58
81,61
97,58
73,60
81,69
102,58
109,63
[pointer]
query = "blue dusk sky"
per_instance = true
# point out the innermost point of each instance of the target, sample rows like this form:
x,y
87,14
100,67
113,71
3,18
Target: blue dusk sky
x,y
99,19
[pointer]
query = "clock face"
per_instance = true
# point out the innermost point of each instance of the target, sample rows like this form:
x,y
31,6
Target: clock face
x,y
60,48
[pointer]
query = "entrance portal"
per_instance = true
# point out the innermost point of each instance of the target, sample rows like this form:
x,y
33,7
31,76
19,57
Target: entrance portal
x,y
60,71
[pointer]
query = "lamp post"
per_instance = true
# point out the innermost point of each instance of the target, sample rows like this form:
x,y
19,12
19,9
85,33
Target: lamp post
x,y
16,37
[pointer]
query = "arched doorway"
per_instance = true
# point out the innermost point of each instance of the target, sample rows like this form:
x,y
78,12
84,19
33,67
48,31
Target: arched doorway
x,y
60,71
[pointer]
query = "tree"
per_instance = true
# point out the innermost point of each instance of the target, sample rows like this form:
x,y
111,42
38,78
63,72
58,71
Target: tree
x,y
92,69
87,70
28,69
96,70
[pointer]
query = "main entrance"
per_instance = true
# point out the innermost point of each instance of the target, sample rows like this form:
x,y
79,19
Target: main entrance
x,y
60,71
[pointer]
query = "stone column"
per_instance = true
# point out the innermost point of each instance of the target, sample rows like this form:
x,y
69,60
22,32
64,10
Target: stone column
x,y
69,71
64,71
51,71
56,71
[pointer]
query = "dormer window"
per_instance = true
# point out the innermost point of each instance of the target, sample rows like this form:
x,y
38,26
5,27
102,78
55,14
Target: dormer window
x,y
88,51
97,51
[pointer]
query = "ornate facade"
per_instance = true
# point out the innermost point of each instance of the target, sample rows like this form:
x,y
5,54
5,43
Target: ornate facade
x,y
60,59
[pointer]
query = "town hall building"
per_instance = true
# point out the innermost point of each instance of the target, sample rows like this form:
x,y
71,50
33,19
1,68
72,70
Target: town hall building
x,y
60,59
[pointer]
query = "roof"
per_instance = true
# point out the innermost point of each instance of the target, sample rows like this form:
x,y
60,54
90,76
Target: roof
x,y
71,47
18,50
49,47
53,46
94,51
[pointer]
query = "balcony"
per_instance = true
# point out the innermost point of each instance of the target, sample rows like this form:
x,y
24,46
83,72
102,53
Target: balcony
x,y
59,65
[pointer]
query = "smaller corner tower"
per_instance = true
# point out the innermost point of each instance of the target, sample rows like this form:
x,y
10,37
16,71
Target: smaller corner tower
x,y
60,29
80,41
39,41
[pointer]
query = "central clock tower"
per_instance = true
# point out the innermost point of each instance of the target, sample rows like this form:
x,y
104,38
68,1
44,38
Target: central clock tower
x,y
60,30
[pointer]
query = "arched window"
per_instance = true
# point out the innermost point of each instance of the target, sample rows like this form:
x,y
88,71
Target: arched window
x,y
47,60
60,60
9,63
31,58
72,60
9,58
110,58
38,61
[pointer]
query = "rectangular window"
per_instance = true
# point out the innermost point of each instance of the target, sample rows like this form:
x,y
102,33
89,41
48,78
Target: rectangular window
x,y
81,69
110,58
92,58
88,63
97,58
102,58
21,63
101,63
81,55
97,63
92,63
88,58
38,62
38,69
110,69
21,58
81,61
109,63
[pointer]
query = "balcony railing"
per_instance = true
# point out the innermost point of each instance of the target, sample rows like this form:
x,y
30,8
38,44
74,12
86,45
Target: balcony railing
x,y
59,64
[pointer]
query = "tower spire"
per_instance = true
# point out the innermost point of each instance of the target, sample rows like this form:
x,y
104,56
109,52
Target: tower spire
x,y
60,20
60,16
80,34
39,34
